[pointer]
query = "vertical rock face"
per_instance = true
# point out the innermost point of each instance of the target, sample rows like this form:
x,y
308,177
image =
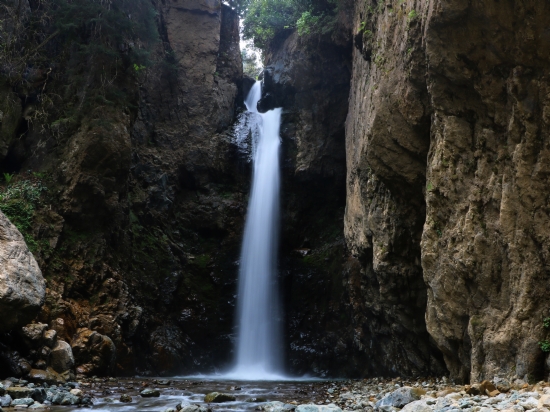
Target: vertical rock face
x,y
447,150
139,230
22,287
486,240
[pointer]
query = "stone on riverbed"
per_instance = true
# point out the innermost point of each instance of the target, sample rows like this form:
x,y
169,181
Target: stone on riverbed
x,y
5,400
22,401
400,397
276,406
318,408
417,406
217,397
17,392
192,408
150,393
125,398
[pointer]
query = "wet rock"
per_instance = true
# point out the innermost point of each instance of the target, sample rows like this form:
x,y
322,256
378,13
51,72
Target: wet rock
x,y
150,393
217,397
5,400
400,397
2,389
22,287
255,400
50,338
39,395
125,398
275,406
33,334
61,357
70,399
192,408
22,401
49,376
318,408
17,392
94,353
76,392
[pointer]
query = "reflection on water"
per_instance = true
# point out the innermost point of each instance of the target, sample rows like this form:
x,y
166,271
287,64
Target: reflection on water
x,y
192,391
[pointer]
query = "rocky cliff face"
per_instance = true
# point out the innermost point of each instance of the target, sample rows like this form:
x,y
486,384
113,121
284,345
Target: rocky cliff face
x,y
138,198
447,208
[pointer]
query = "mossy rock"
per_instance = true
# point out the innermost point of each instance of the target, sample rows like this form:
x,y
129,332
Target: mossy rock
x,y
216,397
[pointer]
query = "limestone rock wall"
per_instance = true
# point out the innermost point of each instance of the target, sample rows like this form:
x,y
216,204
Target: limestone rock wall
x,y
447,204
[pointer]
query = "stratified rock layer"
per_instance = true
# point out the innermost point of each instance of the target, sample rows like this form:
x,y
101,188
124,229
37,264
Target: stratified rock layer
x,y
22,287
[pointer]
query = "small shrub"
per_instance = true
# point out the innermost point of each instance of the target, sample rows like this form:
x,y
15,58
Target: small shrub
x,y
546,322
8,177
545,346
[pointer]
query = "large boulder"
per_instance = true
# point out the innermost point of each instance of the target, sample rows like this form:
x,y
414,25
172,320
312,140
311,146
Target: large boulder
x,y
95,353
61,357
48,376
217,397
22,287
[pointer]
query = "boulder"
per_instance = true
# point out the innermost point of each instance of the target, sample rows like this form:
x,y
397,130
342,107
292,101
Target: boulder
x,y
22,287
217,397
150,393
33,333
50,338
49,376
61,357
400,397
94,353
17,392
544,401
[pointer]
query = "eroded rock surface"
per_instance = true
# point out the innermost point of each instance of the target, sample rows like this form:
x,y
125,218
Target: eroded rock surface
x,y
22,287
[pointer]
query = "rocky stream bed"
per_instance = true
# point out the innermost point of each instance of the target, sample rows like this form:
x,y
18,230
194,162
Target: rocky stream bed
x,y
208,395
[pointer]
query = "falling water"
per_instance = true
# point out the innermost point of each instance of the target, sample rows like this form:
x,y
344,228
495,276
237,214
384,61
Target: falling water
x,y
258,344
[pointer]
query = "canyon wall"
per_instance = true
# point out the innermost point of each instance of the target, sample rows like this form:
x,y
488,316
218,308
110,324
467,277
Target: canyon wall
x,y
129,189
447,181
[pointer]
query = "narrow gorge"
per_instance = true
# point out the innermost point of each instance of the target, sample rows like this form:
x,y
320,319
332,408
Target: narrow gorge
x,y
414,232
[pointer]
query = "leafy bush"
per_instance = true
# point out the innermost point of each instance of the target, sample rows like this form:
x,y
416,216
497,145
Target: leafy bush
x,y
18,202
264,19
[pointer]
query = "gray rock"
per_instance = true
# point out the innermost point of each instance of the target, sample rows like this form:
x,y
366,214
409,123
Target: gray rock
x,y
274,406
22,401
400,397
5,400
189,408
61,357
37,406
22,287
2,390
417,406
33,333
70,399
150,393
529,403
50,338
318,408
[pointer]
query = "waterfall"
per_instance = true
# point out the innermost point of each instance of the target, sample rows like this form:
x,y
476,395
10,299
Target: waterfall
x,y
258,345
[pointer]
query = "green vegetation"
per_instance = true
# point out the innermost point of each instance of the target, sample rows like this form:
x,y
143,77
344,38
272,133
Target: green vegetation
x,y
18,202
545,345
264,19
8,177
546,322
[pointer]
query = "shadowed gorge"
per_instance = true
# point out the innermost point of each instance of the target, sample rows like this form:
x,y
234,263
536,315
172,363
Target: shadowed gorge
x,y
402,235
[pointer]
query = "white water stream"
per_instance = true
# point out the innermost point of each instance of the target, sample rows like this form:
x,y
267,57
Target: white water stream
x,y
259,354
